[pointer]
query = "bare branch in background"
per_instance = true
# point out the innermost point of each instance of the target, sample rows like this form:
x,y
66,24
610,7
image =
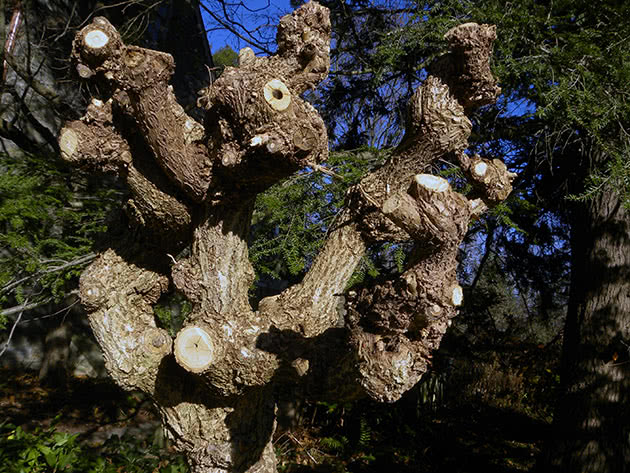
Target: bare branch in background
x,y
252,27
15,324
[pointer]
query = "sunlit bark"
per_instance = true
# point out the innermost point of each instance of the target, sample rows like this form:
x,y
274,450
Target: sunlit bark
x,y
213,383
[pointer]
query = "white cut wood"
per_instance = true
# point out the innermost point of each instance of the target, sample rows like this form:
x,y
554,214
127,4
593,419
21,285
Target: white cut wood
x,y
480,169
433,183
277,95
458,296
194,350
246,56
68,143
96,39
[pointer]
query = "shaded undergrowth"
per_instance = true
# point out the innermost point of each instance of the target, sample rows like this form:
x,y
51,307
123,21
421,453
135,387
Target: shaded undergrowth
x,y
93,426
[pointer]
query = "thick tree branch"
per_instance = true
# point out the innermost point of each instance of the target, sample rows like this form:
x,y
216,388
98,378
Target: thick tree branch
x,y
172,135
311,307
259,128
395,325
119,298
466,68
95,143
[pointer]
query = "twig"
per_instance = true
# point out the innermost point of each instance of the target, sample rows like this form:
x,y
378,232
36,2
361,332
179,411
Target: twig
x,y
234,31
24,307
17,321
67,27
65,309
301,445
42,89
324,170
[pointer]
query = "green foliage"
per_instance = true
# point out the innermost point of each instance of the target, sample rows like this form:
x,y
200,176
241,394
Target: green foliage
x,y
48,223
571,60
292,218
334,444
224,57
171,311
37,452
47,450
364,271
365,433
375,65
356,430
430,392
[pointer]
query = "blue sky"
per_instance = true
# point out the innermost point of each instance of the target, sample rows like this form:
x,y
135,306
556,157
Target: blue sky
x,y
250,13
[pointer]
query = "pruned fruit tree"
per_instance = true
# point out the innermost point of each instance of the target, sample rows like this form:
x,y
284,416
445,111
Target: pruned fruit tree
x,y
192,186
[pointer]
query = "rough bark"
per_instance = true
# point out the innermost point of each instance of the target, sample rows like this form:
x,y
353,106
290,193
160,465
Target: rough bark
x,y
592,421
213,384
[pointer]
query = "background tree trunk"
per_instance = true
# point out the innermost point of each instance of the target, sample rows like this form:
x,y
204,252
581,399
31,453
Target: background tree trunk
x,y
592,421
54,368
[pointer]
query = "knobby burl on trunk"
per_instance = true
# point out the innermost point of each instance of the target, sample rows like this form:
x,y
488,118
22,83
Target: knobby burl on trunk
x,y
193,185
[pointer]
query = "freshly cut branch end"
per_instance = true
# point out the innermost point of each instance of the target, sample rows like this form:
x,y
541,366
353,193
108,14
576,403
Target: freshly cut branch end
x,y
246,56
431,182
68,143
480,169
96,39
477,208
194,349
277,95
490,178
96,42
457,296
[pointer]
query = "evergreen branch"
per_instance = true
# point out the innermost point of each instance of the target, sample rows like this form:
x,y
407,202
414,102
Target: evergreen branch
x,y
327,171
81,260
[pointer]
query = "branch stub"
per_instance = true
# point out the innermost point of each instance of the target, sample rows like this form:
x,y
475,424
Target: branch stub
x,y
457,296
194,350
277,95
68,143
246,56
480,169
432,183
96,39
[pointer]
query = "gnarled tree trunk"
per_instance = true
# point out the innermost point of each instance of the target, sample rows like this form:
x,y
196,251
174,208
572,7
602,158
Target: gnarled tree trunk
x,y
194,185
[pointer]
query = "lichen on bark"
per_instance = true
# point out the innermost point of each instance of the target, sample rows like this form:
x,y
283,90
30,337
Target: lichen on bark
x,y
193,185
